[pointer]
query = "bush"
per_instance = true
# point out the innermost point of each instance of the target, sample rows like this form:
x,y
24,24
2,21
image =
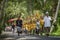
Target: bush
x,y
55,27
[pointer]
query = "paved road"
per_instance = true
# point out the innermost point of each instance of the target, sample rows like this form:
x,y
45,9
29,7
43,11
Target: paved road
x,y
28,37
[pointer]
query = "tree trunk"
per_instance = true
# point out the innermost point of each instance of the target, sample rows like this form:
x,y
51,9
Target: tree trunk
x,y
55,17
2,13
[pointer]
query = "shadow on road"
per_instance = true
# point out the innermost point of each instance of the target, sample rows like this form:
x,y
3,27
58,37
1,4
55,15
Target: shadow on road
x,y
9,35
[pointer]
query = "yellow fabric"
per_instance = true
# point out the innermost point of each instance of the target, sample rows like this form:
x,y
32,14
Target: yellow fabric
x,y
41,22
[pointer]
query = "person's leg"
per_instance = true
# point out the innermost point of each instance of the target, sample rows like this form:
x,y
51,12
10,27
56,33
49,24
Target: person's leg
x,y
34,31
41,30
18,33
45,30
38,31
18,30
48,30
13,30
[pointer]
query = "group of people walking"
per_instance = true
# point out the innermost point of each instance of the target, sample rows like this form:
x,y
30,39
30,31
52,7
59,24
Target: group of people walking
x,y
42,24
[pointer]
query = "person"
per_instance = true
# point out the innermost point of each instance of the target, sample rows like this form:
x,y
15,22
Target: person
x,y
47,23
37,26
13,27
19,25
41,24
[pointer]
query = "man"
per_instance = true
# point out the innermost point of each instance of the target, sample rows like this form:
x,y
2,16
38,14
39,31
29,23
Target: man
x,y
19,25
47,23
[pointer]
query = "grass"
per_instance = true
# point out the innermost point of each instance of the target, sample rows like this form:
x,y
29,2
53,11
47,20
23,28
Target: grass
x,y
57,33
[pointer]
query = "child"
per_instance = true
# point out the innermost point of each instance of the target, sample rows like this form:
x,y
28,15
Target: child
x,y
37,26
41,24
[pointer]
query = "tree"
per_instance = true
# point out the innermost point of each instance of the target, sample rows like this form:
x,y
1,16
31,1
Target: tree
x,y
29,6
2,15
56,14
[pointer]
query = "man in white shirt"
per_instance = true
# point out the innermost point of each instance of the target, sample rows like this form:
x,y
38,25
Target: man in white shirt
x,y
47,23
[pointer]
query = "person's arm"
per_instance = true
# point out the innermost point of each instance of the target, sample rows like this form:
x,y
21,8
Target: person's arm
x,y
21,22
50,18
16,22
44,19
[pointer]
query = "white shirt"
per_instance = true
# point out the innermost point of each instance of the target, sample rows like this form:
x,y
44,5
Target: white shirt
x,y
38,25
47,21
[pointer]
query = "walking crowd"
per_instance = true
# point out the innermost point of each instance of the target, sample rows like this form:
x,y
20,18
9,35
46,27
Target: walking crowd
x,y
35,26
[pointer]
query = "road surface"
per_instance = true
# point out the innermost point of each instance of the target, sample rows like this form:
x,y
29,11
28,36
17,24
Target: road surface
x,y
11,36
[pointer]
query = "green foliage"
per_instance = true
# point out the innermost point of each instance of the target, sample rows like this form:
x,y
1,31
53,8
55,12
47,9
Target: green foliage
x,y
15,8
56,33
58,19
55,27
